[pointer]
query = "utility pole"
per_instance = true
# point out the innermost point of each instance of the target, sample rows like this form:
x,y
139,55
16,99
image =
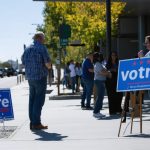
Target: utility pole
x,y
108,28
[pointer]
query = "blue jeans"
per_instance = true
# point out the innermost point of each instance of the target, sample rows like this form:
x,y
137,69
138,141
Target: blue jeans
x,y
87,92
100,90
73,83
37,90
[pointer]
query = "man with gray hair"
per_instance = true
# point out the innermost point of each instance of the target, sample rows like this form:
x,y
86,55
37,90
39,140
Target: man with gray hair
x,y
37,62
147,44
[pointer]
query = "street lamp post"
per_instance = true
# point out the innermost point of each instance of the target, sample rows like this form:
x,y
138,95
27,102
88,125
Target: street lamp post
x,y
108,28
37,25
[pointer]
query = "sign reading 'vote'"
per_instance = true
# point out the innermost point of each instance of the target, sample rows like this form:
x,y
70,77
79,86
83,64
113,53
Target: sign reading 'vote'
x,y
6,109
134,74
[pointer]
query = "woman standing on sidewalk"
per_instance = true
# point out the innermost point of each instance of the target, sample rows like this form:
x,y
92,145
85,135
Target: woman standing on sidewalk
x,y
78,70
100,74
114,97
72,75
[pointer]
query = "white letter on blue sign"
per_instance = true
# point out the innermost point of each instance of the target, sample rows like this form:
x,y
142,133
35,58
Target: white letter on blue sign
x,y
5,102
141,72
133,75
147,72
124,76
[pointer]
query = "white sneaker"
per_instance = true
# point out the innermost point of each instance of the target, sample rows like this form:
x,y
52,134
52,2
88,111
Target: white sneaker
x,y
98,115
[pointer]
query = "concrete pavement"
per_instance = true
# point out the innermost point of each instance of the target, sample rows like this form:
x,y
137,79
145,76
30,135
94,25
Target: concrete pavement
x,y
70,128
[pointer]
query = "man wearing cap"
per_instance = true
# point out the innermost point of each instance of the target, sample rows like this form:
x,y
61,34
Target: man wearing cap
x,y
36,61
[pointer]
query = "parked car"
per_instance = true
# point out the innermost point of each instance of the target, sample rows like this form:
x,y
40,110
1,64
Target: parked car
x,y
11,72
4,71
1,73
23,71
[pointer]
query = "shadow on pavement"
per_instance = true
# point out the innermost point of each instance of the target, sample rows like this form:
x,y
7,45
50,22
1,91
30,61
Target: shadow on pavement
x,y
48,91
139,135
109,117
45,136
65,97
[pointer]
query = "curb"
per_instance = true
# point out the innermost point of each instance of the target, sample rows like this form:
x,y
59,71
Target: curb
x,y
64,97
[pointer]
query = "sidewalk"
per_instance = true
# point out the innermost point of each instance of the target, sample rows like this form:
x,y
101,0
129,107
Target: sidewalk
x,y
70,128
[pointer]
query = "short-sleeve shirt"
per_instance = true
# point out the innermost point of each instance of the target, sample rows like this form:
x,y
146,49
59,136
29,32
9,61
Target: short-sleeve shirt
x,y
34,58
147,54
98,67
78,71
72,69
86,65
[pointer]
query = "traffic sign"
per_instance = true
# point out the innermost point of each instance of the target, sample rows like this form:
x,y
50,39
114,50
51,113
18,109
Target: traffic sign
x,y
63,42
64,31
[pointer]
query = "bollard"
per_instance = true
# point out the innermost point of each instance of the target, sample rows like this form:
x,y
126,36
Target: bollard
x,y
19,78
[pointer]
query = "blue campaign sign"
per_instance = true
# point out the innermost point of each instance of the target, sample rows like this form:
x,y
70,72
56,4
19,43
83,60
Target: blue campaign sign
x,y
6,108
134,74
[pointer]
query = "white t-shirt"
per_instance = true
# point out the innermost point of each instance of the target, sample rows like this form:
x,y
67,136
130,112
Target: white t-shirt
x,y
78,71
72,69
98,67
147,54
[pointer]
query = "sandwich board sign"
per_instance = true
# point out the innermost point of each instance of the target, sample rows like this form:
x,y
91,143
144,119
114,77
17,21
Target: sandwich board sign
x,y
133,74
6,108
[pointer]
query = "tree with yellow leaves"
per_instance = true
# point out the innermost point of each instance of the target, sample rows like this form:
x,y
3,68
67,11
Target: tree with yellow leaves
x,y
87,21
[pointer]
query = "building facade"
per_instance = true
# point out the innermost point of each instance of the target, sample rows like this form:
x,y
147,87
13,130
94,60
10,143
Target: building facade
x,y
133,27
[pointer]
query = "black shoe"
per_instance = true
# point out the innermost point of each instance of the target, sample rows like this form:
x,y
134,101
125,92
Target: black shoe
x,y
30,126
82,105
89,108
112,113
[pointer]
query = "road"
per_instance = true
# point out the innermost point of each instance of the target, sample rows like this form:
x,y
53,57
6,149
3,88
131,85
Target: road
x,y
8,82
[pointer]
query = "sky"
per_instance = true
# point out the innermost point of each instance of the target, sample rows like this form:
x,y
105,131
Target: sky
x,y
18,22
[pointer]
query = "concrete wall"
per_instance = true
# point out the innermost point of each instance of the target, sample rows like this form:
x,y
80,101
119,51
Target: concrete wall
x,y
127,48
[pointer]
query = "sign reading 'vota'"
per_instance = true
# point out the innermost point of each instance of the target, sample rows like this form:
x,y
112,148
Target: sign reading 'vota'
x,y
134,74
6,109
